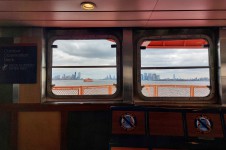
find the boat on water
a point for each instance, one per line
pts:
(87, 80)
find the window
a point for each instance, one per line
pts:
(177, 68)
(84, 67)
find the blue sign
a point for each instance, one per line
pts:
(128, 122)
(18, 64)
(203, 124)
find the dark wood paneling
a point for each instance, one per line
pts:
(14, 131)
(216, 131)
(56, 107)
(6, 92)
(224, 123)
(64, 124)
(88, 130)
(139, 126)
(5, 131)
(166, 123)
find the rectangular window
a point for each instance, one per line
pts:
(84, 67)
(175, 68)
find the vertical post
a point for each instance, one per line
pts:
(148, 89)
(110, 90)
(155, 90)
(81, 90)
(192, 91)
(127, 61)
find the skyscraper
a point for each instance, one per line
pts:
(79, 76)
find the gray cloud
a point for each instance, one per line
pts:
(87, 48)
(84, 52)
(172, 57)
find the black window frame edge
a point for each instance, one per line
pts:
(84, 34)
(166, 34)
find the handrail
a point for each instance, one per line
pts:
(80, 90)
(157, 86)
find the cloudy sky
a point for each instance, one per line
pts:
(84, 53)
(176, 58)
(99, 52)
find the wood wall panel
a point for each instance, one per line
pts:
(139, 127)
(216, 131)
(88, 130)
(39, 131)
(5, 131)
(224, 122)
(166, 123)
(31, 93)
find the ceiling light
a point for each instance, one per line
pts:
(88, 5)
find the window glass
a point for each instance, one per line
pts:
(84, 67)
(172, 69)
(84, 52)
(174, 57)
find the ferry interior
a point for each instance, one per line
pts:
(112, 75)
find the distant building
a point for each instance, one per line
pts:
(150, 77)
(79, 76)
(145, 76)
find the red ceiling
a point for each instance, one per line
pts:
(113, 13)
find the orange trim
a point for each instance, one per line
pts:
(81, 89)
(147, 87)
(155, 87)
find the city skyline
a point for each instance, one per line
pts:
(144, 77)
(74, 76)
(78, 76)
(156, 77)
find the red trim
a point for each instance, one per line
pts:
(195, 43)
